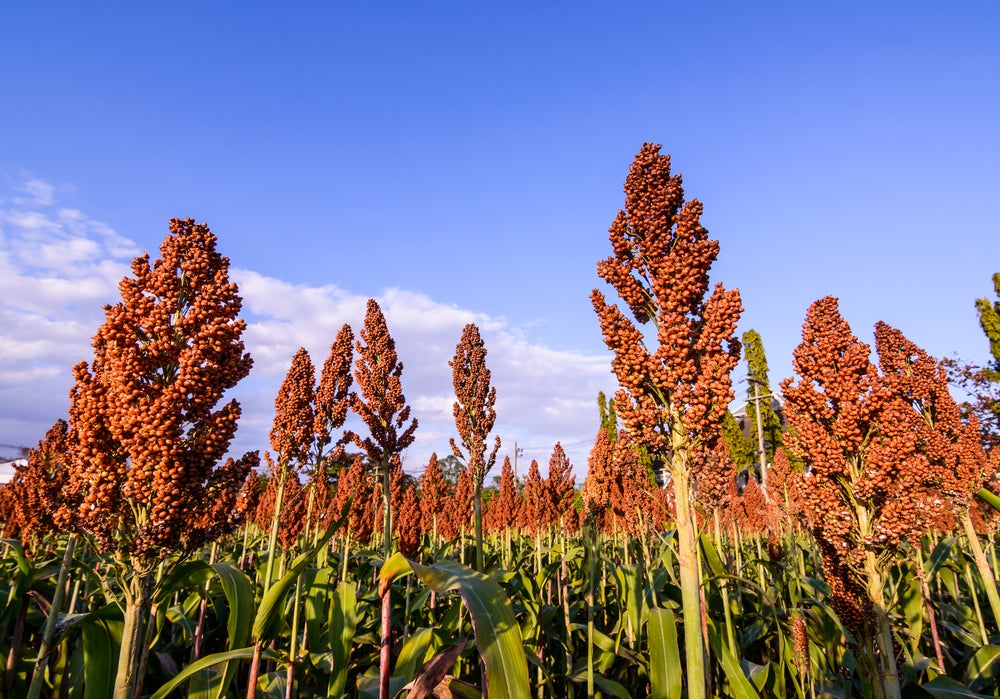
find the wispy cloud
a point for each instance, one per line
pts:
(58, 267)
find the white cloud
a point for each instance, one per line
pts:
(58, 267)
(39, 193)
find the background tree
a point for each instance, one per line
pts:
(449, 467)
(147, 435)
(742, 449)
(982, 383)
(753, 351)
(609, 417)
(673, 397)
(989, 320)
(475, 414)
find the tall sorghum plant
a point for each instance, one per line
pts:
(675, 390)
(382, 406)
(147, 433)
(475, 414)
(958, 465)
(868, 486)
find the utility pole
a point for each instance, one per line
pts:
(761, 452)
(517, 452)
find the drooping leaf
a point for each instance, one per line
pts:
(498, 637)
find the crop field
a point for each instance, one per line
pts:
(838, 542)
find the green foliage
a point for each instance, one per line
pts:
(753, 352)
(742, 449)
(989, 321)
(529, 619)
(609, 418)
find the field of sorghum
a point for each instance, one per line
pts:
(847, 551)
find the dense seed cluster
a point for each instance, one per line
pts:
(434, 493)
(458, 508)
(407, 527)
(659, 268)
(292, 429)
(502, 510)
(147, 434)
(360, 486)
(38, 499)
(381, 403)
(334, 391)
(474, 409)
(948, 450)
(886, 453)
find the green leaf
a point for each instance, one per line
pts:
(912, 602)
(396, 567)
(739, 685)
(22, 561)
(664, 656)
(317, 592)
(989, 498)
(942, 687)
(414, 651)
(343, 623)
(199, 665)
(498, 636)
(632, 600)
(940, 554)
(611, 687)
(101, 644)
(983, 668)
(712, 557)
(265, 624)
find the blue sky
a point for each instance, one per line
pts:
(462, 161)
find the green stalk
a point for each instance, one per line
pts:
(272, 545)
(293, 650)
(477, 508)
(885, 663)
(967, 572)
(137, 601)
(687, 558)
(199, 629)
(385, 651)
(724, 588)
(272, 541)
(979, 557)
(38, 676)
(591, 580)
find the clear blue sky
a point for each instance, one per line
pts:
(470, 156)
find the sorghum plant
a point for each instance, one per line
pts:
(673, 396)
(434, 496)
(501, 513)
(382, 406)
(958, 466)
(475, 414)
(147, 435)
(868, 487)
